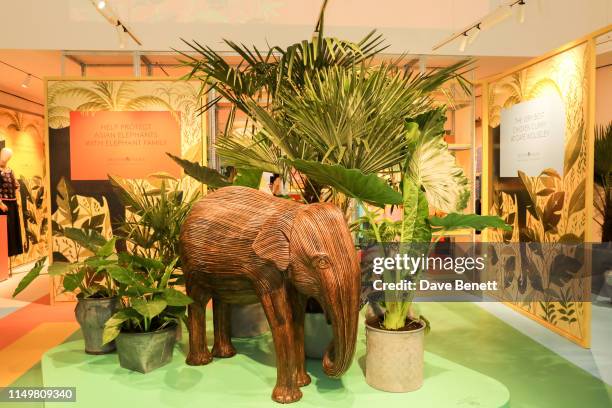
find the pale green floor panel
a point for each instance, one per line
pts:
(246, 380)
(464, 333)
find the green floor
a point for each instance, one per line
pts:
(469, 336)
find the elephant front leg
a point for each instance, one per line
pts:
(198, 350)
(298, 307)
(222, 321)
(279, 314)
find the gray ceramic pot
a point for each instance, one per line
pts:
(144, 352)
(249, 320)
(317, 335)
(91, 314)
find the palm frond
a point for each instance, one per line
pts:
(247, 153)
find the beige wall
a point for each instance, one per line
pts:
(603, 95)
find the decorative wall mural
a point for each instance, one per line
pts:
(23, 132)
(93, 203)
(549, 207)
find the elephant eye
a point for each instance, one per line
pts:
(322, 262)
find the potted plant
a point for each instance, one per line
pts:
(287, 81)
(429, 177)
(145, 328)
(96, 291)
(155, 210)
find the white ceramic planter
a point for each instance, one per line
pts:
(317, 335)
(394, 359)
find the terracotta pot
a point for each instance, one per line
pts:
(92, 313)
(145, 352)
(249, 320)
(317, 335)
(394, 359)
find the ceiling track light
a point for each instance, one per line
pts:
(520, 14)
(121, 33)
(464, 41)
(476, 31)
(498, 15)
(26, 81)
(110, 16)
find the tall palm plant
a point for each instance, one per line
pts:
(355, 118)
(262, 75)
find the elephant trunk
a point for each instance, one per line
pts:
(342, 308)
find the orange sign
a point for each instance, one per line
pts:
(127, 144)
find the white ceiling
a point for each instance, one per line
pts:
(410, 26)
(38, 29)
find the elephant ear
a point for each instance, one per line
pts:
(272, 242)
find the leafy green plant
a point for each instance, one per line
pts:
(354, 117)
(150, 302)
(214, 179)
(415, 230)
(317, 100)
(89, 278)
(155, 214)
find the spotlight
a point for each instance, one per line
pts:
(101, 4)
(521, 11)
(475, 35)
(121, 31)
(464, 41)
(26, 81)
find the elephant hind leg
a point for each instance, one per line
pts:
(222, 321)
(198, 350)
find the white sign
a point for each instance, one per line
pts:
(532, 137)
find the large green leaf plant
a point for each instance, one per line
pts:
(421, 184)
(150, 302)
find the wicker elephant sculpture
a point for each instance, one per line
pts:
(242, 246)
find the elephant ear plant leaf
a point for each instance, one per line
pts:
(455, 221)
(353, 182)
(432, 166)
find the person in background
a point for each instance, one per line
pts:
(276, 185)
(9, 187)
